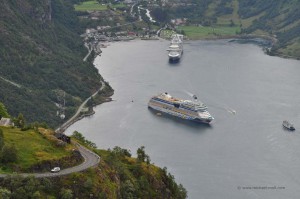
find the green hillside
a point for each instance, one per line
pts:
(279, 20)
(118, 174)
(41, 59)
(121, 176)
(3, 111)
(35, 150)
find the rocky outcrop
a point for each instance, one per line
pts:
(45, 166)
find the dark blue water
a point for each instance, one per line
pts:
(245, 149)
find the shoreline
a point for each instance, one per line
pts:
(90, 113)
(271, 39)
(79, 115)
(248, 37)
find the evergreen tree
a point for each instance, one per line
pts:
(9, 153)
(1, 141)
(66, 193)
(3, 111)
(5, 193)
(141, 155)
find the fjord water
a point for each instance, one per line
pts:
(242, 153)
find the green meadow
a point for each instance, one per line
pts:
(205, 32)
(32, 148)
(95, 6)
(90, 5)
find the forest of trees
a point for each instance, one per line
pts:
(118, 175)
(278, 19)
(41, 53)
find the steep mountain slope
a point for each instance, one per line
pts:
(41, 58)
(279, 19)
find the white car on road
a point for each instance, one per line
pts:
(55, 169)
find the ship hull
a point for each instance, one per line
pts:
(175, 49)
(206, 121)
(175, 57)
(289, 127)
(171, 111)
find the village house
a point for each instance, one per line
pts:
(6, 122)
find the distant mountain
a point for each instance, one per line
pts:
(279, 19)
(41, 59)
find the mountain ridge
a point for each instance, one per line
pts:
(277, 19)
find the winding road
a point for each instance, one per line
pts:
(91, 159)
(89, 51)
(70, 121)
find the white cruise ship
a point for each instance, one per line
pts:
(175, 49)
(185, 109)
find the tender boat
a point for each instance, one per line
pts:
(288, 125)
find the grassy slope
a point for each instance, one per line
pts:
(194, 32)
(234, 16)
(120, 176)
(291, 50)
(279, 18)
(32, 148)
(90, 5)
(117, 175)
(222, 28)
(95, 6)
(262, 18)
(249, 21)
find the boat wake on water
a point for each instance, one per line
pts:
(229, 110)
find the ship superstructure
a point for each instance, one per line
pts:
(175, 49)
(185, 109)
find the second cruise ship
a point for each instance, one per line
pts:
(185, 109)
(175, 49)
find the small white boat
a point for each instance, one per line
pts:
(288, 125)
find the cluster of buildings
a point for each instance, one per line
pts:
(105, 33)
(179, 21)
